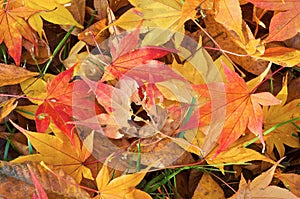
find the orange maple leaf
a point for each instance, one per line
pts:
(242, 108)
(13, 27)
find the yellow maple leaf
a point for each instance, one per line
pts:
(120, 187)
(164, 14)
(236, 153)
(58, 151)
(278, 114)
(53, 11)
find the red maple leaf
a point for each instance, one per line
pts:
(65, 101)
(127, 57)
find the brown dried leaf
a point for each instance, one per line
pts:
(290, 181)
(101, 8)
(229, 43)
(208, 188)
(95, 31)
(7, 107)
(260, 187)
(16, 182)
(18, 140)
(40, 56)
(11, 74)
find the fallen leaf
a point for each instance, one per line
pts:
(40, 192)
(7, 107)
(57, 150)
(16, 182)
(27, 111)
(53, 11)
(236, 153)
(40, 55)
(287, 57)
(291, 181)
(207, 188)
(63, 102)
(77, 10)
(101, 7)
(11, 74)
(94, 34)
(229, 14)
(260, 187)
(129, 60)
(284, 25)
(241, 53)
(13, 27)
(242, 107)
(277, 114)
(116, 102)
(173, 12)
(120, 187)
(35, 88)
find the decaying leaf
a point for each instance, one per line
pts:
(229, 41)
(16, 181)
(260, 187)
(207, 188)
(11, 74)
(291, 181)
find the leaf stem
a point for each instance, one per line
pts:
(267, 78)
(58, 47)
(271, 129)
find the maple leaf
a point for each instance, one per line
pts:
(173, 13)
(278, 114)
(53, 11)
(137, 62)
(229, 14)
(260, 187)
(63, 103)
(236, 153)
(58, 151)
(284, 25)
(116, 102)
(13, 27)
(120, 187)
(242, 107)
